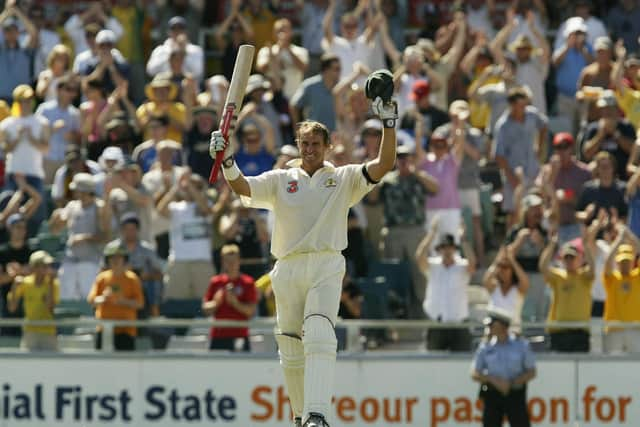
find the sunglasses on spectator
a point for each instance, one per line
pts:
(504, 265)
(563, 146)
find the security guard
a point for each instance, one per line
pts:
(503, 365)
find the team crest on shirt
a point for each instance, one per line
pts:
(330, 182)
(292, 186)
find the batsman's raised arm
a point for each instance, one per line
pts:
(379, 88)
(230, 169)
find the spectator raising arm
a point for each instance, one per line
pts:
(539, 38)
(609, 260)
(327, 22)
(497, 45)
(546, 257)
(422, 251)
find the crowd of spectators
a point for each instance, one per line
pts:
(517, 166)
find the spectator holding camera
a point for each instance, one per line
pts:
(569, 60)
(88, 222)
(108, 67)
(610, 133)
(190, 266)
(15, 59)
(233, 32)
(231, 296)
(194, 55)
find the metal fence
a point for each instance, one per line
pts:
(350, 332)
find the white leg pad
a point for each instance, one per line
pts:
(320, 346)
(291, 353)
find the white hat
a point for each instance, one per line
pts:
(111, 153)
(105, 36)
(573, 25)
(168, 143)
(83, 182)
(257, 81)
(602, 43)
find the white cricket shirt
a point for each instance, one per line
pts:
(447, 298)
(310, 212)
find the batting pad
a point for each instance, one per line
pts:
(291, 353)
(320, 346)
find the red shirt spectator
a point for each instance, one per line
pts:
(231, 296)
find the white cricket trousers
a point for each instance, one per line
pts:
(307, 291)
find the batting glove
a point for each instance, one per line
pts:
(386, 111)
(218, 144)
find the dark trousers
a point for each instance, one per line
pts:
(452, 339)
(496, 406)
(121, 342)
(570, 341)
(597, 309)
(228, 344)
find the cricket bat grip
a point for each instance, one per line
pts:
(224, 128)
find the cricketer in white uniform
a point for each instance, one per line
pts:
(310, 201)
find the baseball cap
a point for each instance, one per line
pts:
(14, 218)
(40, 258)
(257, 81)
(112, 153)
(403, 150)
(105, 36)
(574, 24)
(625, 253)
(602, 43)
(563, 138)
(632, 60)
(446, 241)
(499, 314)
(177, 21)
(419, 90)
(130, 218)
(460, 108)
(569, 249)
(11, 21)
(531, 200)
(83, 182)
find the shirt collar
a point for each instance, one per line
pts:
(297, 163)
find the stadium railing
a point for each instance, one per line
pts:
(350, 330)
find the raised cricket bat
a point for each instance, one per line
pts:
(233, 103)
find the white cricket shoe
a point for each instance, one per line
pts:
(316, 420)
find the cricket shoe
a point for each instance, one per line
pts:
(315, 420)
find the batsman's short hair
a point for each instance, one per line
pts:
(313, 127)
(326, 60)
(229, 249)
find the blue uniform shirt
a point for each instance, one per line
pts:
(506, 360)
